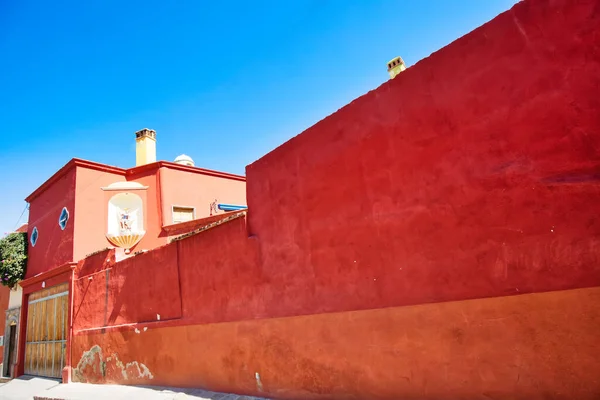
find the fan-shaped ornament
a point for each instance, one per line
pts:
(125, 220)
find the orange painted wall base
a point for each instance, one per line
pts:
(532, 346)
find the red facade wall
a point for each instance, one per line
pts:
(138, 294)
(54, 246)
(433, 238)
(188, 189)
(78, 187)
(143, 288)
(90, 214)
(173, 282)
(530, 347)
(221, 279)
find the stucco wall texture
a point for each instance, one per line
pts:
(54, 246)
(88, 215)
(437, 238)
(187, 189)
(517, 347)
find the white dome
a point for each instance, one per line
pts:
(184, 160)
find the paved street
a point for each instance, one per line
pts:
(30, 388)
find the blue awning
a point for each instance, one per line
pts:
(230, 207)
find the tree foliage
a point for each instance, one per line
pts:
(13, 258)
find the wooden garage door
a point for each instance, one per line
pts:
(47, 331)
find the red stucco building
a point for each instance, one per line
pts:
(436, 238)
(70, 217)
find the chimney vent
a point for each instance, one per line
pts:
(145, 146)
(395, 66)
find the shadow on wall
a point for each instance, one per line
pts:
(217, 268)
(143, 288)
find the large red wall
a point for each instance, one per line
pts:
(525, 347)
(472, 174)
(143, 288)
(436, 237)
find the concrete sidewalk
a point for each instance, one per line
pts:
(34, 388)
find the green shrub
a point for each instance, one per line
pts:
(13, 258)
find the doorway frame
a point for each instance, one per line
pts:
(63, 274)
(12, 323)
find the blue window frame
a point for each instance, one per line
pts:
(63, 218)
(34, 236)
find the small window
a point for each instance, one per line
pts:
(34, 236)
(182, 214)
(63, 218)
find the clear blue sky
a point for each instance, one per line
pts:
(224, 82)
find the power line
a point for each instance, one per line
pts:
(21, 216)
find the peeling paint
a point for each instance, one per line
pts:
(119, 364)
(259, 385)
(94, 368)
(87, 360)
(139, 369)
